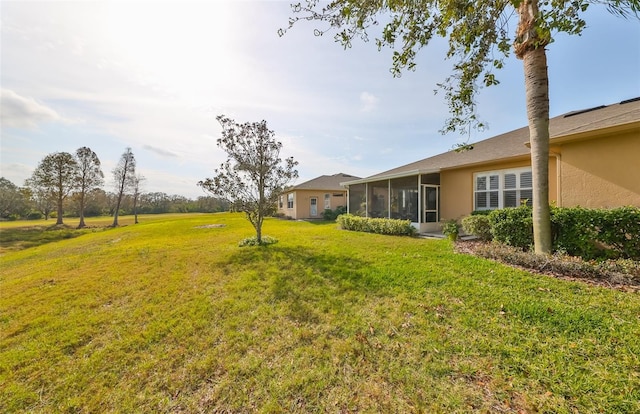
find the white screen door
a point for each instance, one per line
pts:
(314, 206)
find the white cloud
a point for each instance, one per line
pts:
(16, 172)
(368, 102)
(160, 151)
(23, 112)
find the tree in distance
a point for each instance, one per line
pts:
(55, 178)
(479, 40)
(136, 187)
(90, 176)
(254, 175)
(12, 199)
(123, 175)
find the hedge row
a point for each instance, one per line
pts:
(376, 225)
(577, 231)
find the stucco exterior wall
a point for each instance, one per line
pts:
(302, 203)
(601, 173)
(456, 186)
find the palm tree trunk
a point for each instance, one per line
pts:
(530, 47)
(537, 96)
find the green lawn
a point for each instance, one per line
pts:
(170, 316)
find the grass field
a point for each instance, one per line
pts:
(170, 315)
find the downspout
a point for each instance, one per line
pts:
(348, 198)
(419, 199)
(558, 158)
(389, 198)
(366, 199)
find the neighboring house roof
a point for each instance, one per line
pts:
(325, 183)
(513, 144)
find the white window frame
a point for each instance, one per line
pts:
(327, 201)
(500, 189)
(290, 200)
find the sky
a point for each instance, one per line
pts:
(153, 76)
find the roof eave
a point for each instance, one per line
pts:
(595, 133)
(383, 177)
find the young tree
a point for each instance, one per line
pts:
(254, 175)
(55, 177)
(136, 186)
(123, 175)
(90, 176)
(478, 37)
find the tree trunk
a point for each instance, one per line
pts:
(530, 47)
(537, 96)
(135, 210)
(259, 233)
(115, 213)
(82, 224)
(60, 211)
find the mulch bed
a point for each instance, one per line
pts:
(627, 285)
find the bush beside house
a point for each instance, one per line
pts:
(376, 225)
(586, 233)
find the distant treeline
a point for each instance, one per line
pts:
(20, 203)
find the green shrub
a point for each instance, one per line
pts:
(253, 241)
(574, 231)
(331, 215)
(376, 225)
(620, 229)
(512, 226)
(481, 212)
(597, 233)
(477, 225)
(451, 229)
(35, 215)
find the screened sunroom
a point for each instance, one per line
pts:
(411, 196)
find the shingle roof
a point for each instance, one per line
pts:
(513, 144)
(326, 182)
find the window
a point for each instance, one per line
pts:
(290, 200)
(327, 201)
(280, 201)
(518, 189)
(505, 188)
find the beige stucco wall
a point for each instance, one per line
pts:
(593, 173)
(302, 203)
(456, 186)
(601, 173)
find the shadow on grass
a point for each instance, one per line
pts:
(19, 238)
(331, 267)
(306, 283)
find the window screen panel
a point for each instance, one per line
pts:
(511, 198)
(494, 182)
(481, 201)
(526, 179)
(481, 183)
(526, 195)
(509, 181)
(493, 199)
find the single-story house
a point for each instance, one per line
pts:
(309, 199)
(594, 162)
